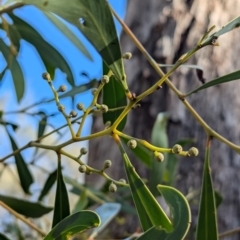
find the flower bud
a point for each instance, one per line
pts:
(193, 152)
(104, 108)
(112, 187)
(46, 76)
(107, 124)
(127, 55)
(82, 168)
(73, 114)
(159, 156)
(105, 79)
(177, 149)
(61, 108)
(94, 90)
(80, 106)
(83, 151)
(122, 180)
(132, 143)
(107, 164)
(88, 172)
(62, 88)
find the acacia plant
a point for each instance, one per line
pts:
(112, 100)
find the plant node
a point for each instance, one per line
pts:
(94, 90)
(61, 108)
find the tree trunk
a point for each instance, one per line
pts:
(167, 30)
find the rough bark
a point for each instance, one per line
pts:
(167, 30)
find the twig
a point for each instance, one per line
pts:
(165, 78)
(231, 232)
(23, 219)
(10, 8)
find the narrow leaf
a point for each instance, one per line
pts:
(42, 124)
(47, 52)
(3, 73)
(149, 211)
(26, 208)
(94, 19)
(226, 78)
(233, 24)
(48, 185)
(114, 97)
(106, 212)
(141, 152)
(13, 125)
(218, 198)
(181, 216)
(24, 173)
(68, 33)
(207, 220)
(61, 206)
(75, 223)
(169, 175)
(81, 203)
(13, 34)
(14, 67)
(3, 237)
(159, 138)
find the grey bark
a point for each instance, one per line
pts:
(167, 30)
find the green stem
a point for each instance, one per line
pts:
(14, 152)
(89, 109)
(228, 233)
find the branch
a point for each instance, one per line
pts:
(206, 127)
(23, 219)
